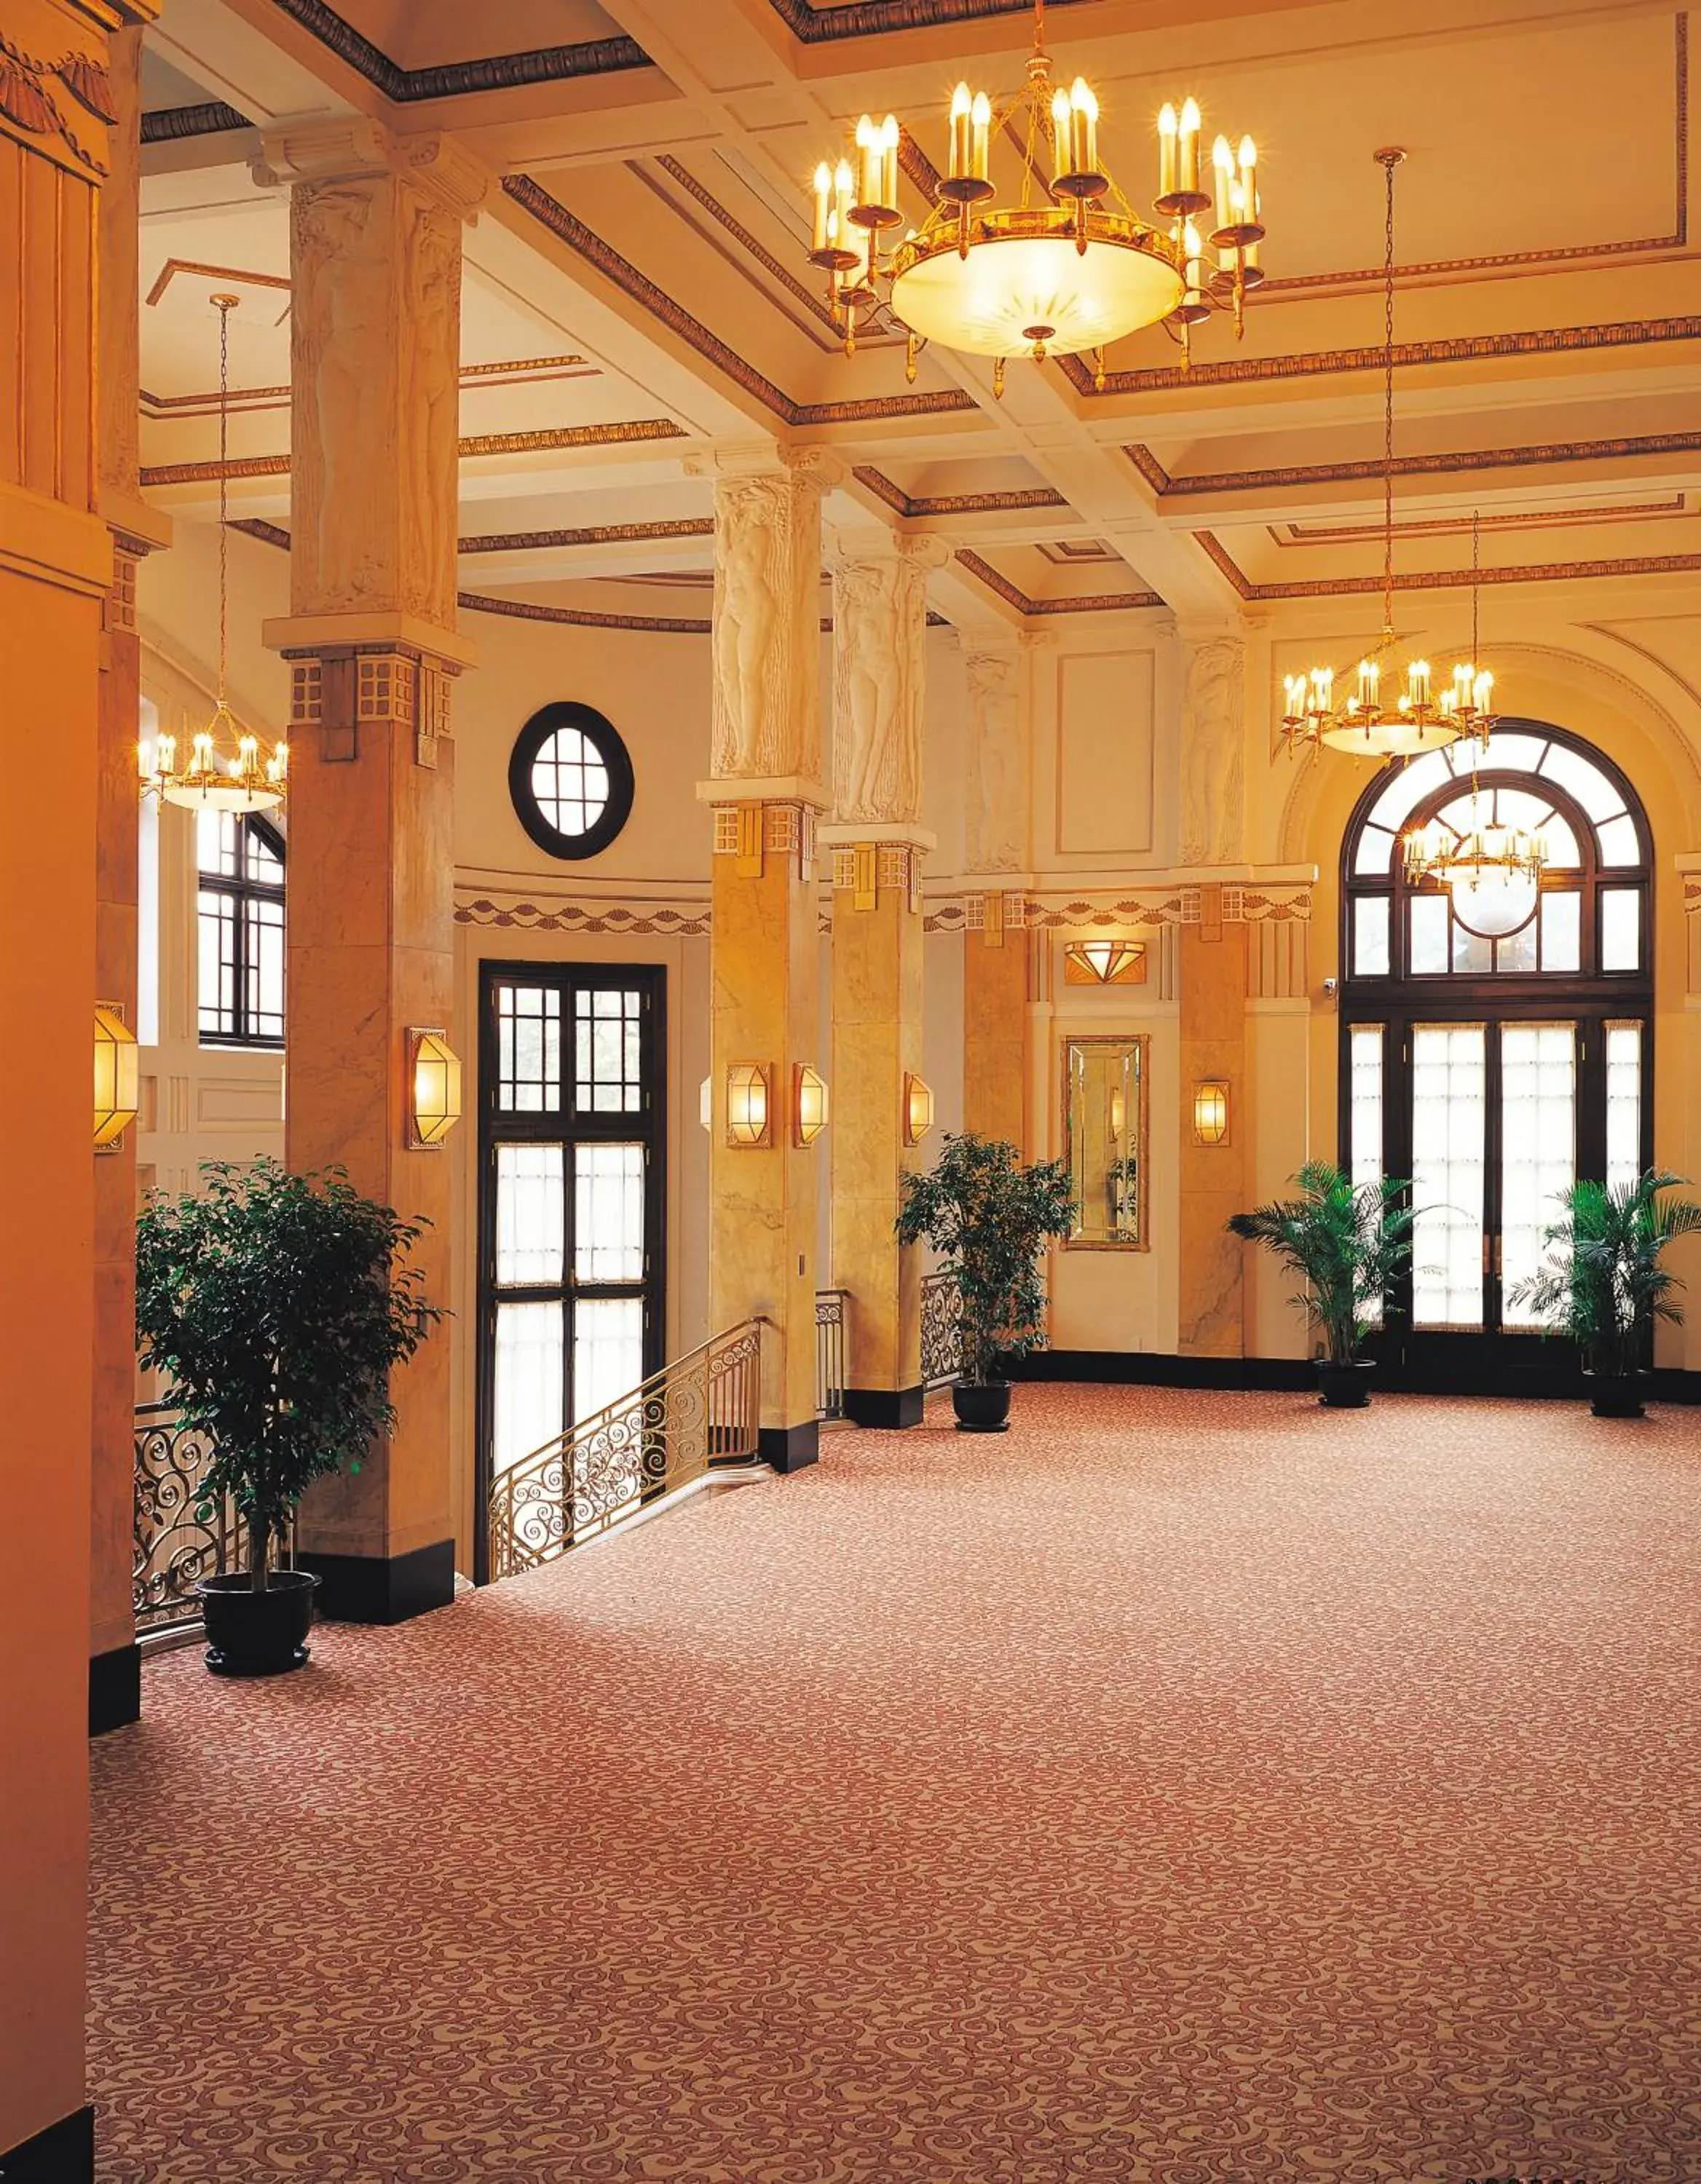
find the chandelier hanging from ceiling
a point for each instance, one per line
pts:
(1376, 721)
(1069, 268)
(225, 767)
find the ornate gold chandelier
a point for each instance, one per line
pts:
(225, 767)
(1373, 722)
(1067, 270)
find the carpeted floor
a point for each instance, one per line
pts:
(1179, 1788)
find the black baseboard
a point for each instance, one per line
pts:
(63, 2154)
(114, 1691)
(1152, 1368)
(790, 1448)
(381, 1588)
(890, 1407)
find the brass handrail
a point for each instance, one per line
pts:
(703, 1410)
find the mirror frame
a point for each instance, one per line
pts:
(1139, 1044)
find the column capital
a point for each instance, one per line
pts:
(350, 148)
(878, 541)
(751, 459)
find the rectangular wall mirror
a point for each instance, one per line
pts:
(1104, 1141)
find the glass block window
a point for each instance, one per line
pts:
(240, 919)
(1538, 1142)
(570, 779)
(1449, 1114)
(1623, 1104)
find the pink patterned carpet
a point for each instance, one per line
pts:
(1179, 1788)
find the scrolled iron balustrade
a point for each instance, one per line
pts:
(702, 1413)
(832, 1366)
(174, 1543)
(941, 1330)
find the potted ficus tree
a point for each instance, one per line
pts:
(1347, 1242)
(1603, 1283)
(276, 1306)
(988, 1216)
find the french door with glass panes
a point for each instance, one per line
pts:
(1493, 1117)
(572, 1200)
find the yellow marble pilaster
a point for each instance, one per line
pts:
(1213, 1000)
(376, 238)
(995, 1027)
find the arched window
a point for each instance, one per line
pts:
(240, 906)
(1495, 1073)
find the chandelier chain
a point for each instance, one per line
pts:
(1389, 166)
(225, 304)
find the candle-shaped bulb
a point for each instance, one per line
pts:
(889, 163)
(1193, 247)
(1482, 691)
(1249, 177)
(1418, 682)
(1295, 686)
(1222, 179)
(1369, 676)
(844, 187)
(1190, 145)
(1083, 126)
(961, 104)
(980, 115)
(1167, 154)
(1060, 133)
(868, 161)
(823, 204)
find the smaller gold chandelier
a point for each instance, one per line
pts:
(225, 767)
(1493, 871)
(1065, 271)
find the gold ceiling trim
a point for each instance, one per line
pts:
(550, 213)
(624, 433)
(597, 534)
(238, 467)
(867, 18)
(1533, 455)
(1445, 580)
(241, 274)
(1330, 363)
(914, 505)
(406, 86)
(1013, 595)
(208, 117)
(535, 370)
(1452, 526)
(582, 617)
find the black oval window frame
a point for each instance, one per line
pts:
(605, 739)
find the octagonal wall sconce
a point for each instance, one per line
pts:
(434, 1074)
(918, 1109)
(1104, 963)
(749, 1104)
(1211, 1112)
(809, 1105)
(117, 1077)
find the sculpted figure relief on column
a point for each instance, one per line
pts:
(766, 587)
(1212, 761)
(430, 376)
(340, 320)
(997, 815)
(879, 611)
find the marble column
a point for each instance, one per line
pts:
(877, 845)
(765, 796)
(996, 859)
(56, 571)
(1213, 990)
(375, 262)
(114, 1659)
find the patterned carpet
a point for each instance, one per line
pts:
(1179, 1788)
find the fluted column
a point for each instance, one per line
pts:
(765, 796)
(996, 860)
(375, 263)
(114, 1659)
(878, 846)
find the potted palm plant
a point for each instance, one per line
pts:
(276, 1306)
(1603, 1284)
(988, 1216)
(1347, 1242)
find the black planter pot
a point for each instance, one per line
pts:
(1345, 1387)
(1617, 1395)
(981, 1409)
(258, 1634)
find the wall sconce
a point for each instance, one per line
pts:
(435, 1069)
(749, 1109)
(1104, 963)
(808, 1105)
(1211, 1110)
(117, 1077)
(918, 1109)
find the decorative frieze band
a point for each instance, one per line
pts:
(1172, 906)
(583, 918)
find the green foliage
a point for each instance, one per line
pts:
(988, 1217)
(276, 1306)
(1346, 1242)
(1602, 1282)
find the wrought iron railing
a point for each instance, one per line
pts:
(182, 1534)
(941, 1330)
(701, 1412)
(831, 1363)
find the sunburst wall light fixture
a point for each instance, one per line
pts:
(1067, 268)
(225, 767)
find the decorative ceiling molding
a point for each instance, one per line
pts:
(1328, 363)
(1013, 595)
(256, 526)
(1445, 580)
(914, 505)
(583, 618)
(242, 275)
(599, 534)
(530, 371)
(550, 213)
(624, 433)
(1451, 463)
(454, 79)
(867, 19)
(166, 125)
(238, 467)
(1453, 527)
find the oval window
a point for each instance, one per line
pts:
(570, 780)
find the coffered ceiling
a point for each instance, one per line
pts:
(637, 285)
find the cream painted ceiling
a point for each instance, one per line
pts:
(636, 286)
